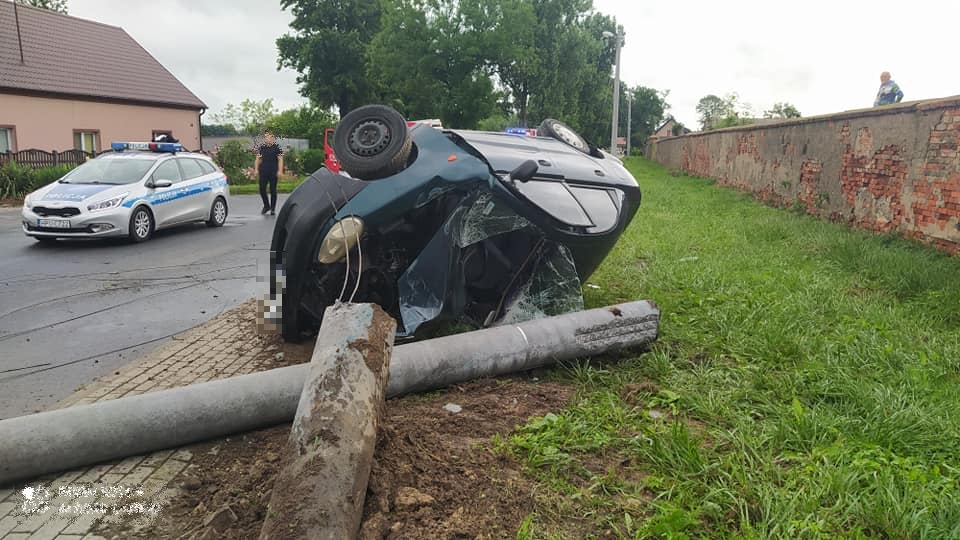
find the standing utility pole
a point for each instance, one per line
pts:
(616, 91)
(629, 119)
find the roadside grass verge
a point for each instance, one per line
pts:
(286, 186)
(804, 385)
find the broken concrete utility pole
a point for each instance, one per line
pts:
(63, 439)
(330, 450)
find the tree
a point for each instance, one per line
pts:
(646, 112)
(716, 112)
(679, 129)
(218, 130)
(712, 110)
(59, 6)
(328, 49)
(782, 110)
(250, 117)
(305, 122)
(573, 80)
(428, 61)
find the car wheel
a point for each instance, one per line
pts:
(562, 132)
(141, 225)
(372, 142)
(218, 213)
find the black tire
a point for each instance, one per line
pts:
(141, 225)
(218, 213)
(372, 142)
(46, 240)
(563, 133)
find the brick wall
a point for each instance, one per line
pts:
(889, 169)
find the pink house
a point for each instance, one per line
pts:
(69, 83)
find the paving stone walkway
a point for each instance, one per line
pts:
(66, 506)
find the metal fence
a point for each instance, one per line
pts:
(35, 158)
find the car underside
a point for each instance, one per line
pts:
(474, 227)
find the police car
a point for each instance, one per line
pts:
(138, 188)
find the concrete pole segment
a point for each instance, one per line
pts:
(329, 454)
(63, 439)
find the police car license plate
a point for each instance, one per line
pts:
(54, 223)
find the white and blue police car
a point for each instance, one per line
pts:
(138, 188)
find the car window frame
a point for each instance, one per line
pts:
(153, 175)
(208, 163)
(180, 161)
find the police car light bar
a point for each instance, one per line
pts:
(521, 131)
(148, 146)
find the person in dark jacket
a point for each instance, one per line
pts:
(268, 165)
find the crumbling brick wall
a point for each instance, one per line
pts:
(890, 169)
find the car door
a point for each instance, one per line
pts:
(196, 192)
(167, 203)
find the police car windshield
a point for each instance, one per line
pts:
(110, 171)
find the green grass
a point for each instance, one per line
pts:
(254, 188)
(805, 383)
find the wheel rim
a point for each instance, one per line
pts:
(369, 138)
(568, 136)
(219, 212)
(141, 224)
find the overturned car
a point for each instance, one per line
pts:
(439, 226)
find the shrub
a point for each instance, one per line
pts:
(293, 161)
(311, 160)
(235, 158)
(17, 180)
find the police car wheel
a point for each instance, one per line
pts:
(141, 225)
(218, 213)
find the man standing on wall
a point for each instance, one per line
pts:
(268, 164)
(889, 91)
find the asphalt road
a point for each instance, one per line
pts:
(80, 309)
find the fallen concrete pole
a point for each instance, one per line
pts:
(329, 454)
(63, 439)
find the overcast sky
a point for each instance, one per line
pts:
(822, 56)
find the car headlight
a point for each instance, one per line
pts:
(27, 201)
(109, 203)
(343, 236)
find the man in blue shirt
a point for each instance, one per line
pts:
(889, 91)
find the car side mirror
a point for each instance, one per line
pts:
(525, 171)
(160, 184)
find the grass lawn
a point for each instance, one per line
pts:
(804, 384)
(284, 186)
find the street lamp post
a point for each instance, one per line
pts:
(616, 91)
(629, 120)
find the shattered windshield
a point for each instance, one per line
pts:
(553, 289)
(486, 219)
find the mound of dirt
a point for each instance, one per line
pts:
(435, 474)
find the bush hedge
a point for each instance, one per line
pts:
(311, 160)
(236, 160)
(16, 180)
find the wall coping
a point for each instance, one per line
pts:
(951, 102)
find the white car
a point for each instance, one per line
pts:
(132, 191)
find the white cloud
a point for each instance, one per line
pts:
(821, 55)
(222, 50)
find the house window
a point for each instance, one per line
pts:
(6, 140)
(88, 141)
